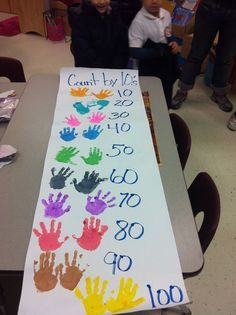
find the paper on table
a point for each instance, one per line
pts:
(102, 241)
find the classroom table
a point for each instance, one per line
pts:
(19, 88)
(29, 132)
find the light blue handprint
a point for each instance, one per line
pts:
(102, 104)
(92, 132)
(81, 109)
(68, 134)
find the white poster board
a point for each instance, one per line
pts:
(102, 241)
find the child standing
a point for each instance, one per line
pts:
(99, 37)
(151, 43)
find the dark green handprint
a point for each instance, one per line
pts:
(95, 156)
(65, 154)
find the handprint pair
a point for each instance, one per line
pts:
(54, 209)
(95, 118)
(85, 109)
(46, 277)
(90, 239)
(66, 154)
(82, 92)
(94, 303)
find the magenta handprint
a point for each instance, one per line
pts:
(72, 121)
(96, 118)
(96, 205)
(49, 241)
(92, 234)
(54, 209)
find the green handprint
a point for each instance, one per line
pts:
(65, 154)
(95, 156)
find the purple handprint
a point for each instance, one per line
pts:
(96, 118)
(54, 209)
(99, 205)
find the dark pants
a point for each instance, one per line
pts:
(211, 18)
(165, 67)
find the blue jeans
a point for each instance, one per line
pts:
(211, 18)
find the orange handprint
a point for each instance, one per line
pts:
(103, 94)
(93, 302)
(125, 297)
(92, 235)
(73, 273)
(79, 92)
(44, 278)
(48, 241)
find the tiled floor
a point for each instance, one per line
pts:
(213, 150)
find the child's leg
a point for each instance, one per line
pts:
(164, 68)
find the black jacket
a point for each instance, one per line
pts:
(99, 41)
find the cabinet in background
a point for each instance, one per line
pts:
(30, 14)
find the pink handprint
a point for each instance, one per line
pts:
(96, 118)
(92, 234)
(49, 241)
(72, 121)
(54, 209)
(99, 204)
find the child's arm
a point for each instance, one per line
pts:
(175, 48)
(136, 36)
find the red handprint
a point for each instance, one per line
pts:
(48, 241)
(92, 234)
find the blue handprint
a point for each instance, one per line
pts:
(92, 132)
(68, 134)
(81, 109)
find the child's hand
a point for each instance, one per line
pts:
(175, 48)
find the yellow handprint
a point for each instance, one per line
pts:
(103, 94)
(80, 92)
(125, 297)
(93, 302)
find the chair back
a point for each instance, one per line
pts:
(204, 197)
(12, 69)
(182, 138)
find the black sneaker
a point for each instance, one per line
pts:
(178, 99)
(222, 101)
